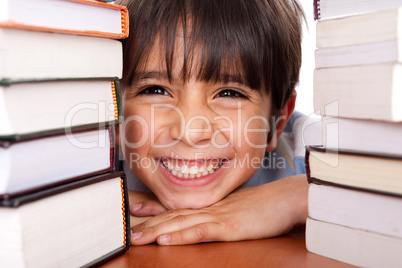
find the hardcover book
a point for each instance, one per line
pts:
(37, 163)
(355, 191)
(377, 173)
(84, 223)
(362, 136)
(373, 212)
(326, 9)
(371, 53)
(83, 17)
(362, 91)
(42, 107)
(365, 28)
(353, 246)
(35, 55)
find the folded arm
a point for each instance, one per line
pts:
(248, 213)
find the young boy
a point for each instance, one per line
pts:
(208, 89)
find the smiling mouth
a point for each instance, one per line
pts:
(187, 170)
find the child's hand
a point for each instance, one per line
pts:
(258, 212)
(143, 200)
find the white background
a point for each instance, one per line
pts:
(304, 101)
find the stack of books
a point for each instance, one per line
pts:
(62, 201)
(355, 195)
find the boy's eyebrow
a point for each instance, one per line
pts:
(229, 78)
(223, 78)
(234, 78)
(144, 75)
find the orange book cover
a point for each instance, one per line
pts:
(84, 17)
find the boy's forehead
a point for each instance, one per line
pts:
(156, 60)
(184, 65)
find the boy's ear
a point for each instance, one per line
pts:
(281, 121)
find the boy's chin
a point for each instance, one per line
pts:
(187, 203)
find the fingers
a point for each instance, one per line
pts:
(146, 208)
(182, 229)
(166, 217)
(205, 232)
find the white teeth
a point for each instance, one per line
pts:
(169, 165)
(186, 172)
(184, 169)
(193, 170)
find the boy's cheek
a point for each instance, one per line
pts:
(255, 142)
(134, 132)
(255, 132)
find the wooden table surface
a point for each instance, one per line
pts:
(284, 251)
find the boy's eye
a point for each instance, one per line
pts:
(230, 93)
(154, 90)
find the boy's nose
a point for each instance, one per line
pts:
(193, 127)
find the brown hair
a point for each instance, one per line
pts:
(258, 41)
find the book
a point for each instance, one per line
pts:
(379, 52)
(79, 224)
(376, 173)
(362, 92)
(374, 212)
(362, 136)
(355, 191)
(68, 16)
(353, 246)
(40, 107)
(34, 55)
(325, 9)
(360, 29)
(29, 165)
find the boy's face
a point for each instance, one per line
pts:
(193, 142)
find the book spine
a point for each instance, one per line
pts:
(125, 211)
(116, 108)
(317, 11)
(307, 164)
(117, 99)
(111, 129)
(124, 23)
(112, 143)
